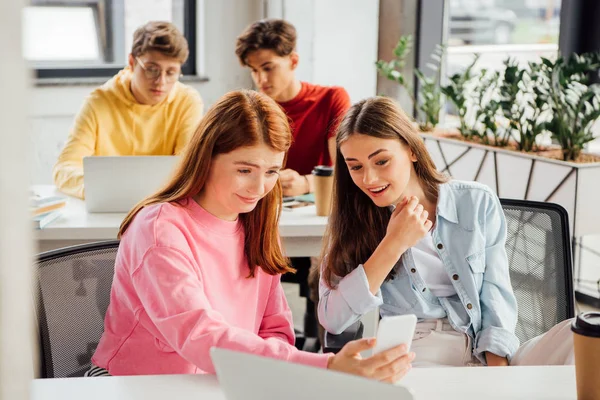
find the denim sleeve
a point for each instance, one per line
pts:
(341, 307)
(498, 302)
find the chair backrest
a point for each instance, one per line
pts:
(538, 246)
(74, 286)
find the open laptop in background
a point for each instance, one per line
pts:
(117, 183)
(249, 377)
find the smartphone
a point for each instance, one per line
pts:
(394, 331)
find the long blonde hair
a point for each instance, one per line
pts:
(356, 225)
(239, 119)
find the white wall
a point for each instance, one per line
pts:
(345, 48)
(301, 13)
(337, 41)
(16, 305)
(53, 108)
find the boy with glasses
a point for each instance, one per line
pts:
(143, 110)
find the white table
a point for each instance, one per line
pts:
(301, 229)
(532, 383)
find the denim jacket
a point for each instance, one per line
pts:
(469, 236)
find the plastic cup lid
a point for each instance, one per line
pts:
(587, 324)
(322, 170)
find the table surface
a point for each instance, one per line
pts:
(76, 223)
(530, 383)
(301, 230)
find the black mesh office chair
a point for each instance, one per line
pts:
(538, 246)
(73, 294)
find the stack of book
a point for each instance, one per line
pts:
(45, 209)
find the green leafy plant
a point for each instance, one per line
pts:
(533, 124)
(429, 101)
(487, 109)
(392, 70)
(456, 90)
(573, 102)
(520, 104)
(430, 93)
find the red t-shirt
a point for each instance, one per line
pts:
(314, 115)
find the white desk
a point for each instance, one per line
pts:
(301, 230)
(530, 383)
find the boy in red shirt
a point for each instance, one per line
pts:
(268, 48)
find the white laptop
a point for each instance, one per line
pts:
(117, 183)
(249, 377)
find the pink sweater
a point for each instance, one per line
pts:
(180, 288)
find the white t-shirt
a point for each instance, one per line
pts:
(431, 268)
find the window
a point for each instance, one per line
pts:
(92, 38)
(496, 30)
(522, 29)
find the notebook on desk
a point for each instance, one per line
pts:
(116, 184)
(249, 377)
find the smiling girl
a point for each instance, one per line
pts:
(404, 238)
(199, 262)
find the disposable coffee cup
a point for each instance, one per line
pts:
(586, 340)
(323, 178)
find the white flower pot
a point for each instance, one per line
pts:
(516, 175)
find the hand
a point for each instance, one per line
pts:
(408, 224)
(494, 360)
(388, 366)
(293, 183)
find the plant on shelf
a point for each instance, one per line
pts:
(456, 90)
(429, 100)
(534, 121)
(487, 110)
(511, 107)
(520, 104)
(574, 102)
(392, 70)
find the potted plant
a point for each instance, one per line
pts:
(552, 97)
(502, 115)
(429, 100)
(575, 104)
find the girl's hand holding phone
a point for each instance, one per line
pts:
(388, 366)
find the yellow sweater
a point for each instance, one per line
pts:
(112, 123)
